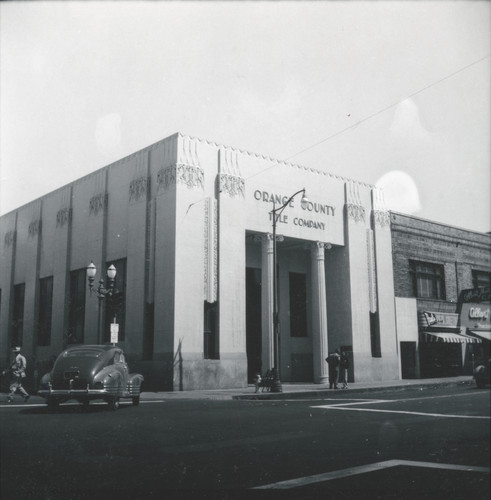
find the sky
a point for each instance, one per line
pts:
(395, 94)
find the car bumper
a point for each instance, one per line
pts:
(74, 392)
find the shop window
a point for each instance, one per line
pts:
(45, 310)
(428, 280)
(210, 348)
(18, 317)
(76, 307)
(298, 305)
(115, 303)
(481, 279)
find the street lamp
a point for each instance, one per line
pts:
(276, 212)
(101, 290)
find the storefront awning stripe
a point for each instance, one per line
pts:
(450, 337)
(483, 334)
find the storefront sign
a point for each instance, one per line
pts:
(278, 199)
(310, 208)
(476, 295)
(440, 319)
(478, 313)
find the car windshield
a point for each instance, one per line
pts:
(83, 353)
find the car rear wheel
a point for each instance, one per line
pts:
(113, 403)
(136, 400)
(53, 403)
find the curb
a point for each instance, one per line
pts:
(324, 392)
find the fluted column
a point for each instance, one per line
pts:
(319, 313)
(267, 302)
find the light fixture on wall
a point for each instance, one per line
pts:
(276, 212)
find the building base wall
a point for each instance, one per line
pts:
(367, 368)
(192, 372)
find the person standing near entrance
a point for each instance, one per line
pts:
(333, 361)
(18, 373)
(343, 370)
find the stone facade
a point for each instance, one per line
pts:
(187, 221)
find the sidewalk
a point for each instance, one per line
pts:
(302, 391)
(291, 390)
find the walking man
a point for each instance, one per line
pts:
(343, 370)
(333, 361)
(17, 373)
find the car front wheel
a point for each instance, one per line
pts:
(136, 400)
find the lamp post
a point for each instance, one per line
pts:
(101, 290)
(276, 213)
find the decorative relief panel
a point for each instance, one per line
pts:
(192, 177)
(232, 185)
(211, 250)
(356, 212)
(372, 271)
(381, 218)
(354, 208)
(34, 228)
(9, 238)
(97, 204)
(63, 216)
(139, 188)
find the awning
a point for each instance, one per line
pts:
(483, 334)
(456, 338)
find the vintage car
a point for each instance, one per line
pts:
(88, 372)
(482, 373)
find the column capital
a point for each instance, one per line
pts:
(318, 245)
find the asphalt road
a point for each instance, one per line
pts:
(431, 443)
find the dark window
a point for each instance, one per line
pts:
(375, 335)
(298, 305)
(18, 318)
(481, 279)
(428, 280)
(45, 310)
(115, 303)
(210, 347)
(76, 320)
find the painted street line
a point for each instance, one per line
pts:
(352, 471)
(338, 407)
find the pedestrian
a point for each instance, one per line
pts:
(333, 361)
(343, 370)
(17, 373)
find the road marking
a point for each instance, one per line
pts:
(362, 469)
(344, 406)
(338, 407)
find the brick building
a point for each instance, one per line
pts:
(441, 285)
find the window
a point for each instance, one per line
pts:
(45, 310)
(481, 279)
(210, 331)
(76, 318)
(18, 317)
(115, 304)
(298, 305)
(428, 280)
